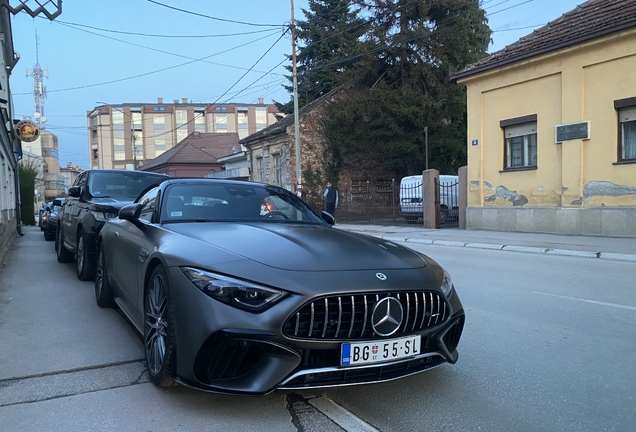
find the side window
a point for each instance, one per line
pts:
(81, 179)
(148, 201)
(520, 142)
(626, 129)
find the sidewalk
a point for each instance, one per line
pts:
(581, 246)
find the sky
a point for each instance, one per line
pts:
(126, 51)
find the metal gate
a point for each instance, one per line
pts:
(447, 200)
(386, 203)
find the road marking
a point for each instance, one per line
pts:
(341, 416)
(632, 308)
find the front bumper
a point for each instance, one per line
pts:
(225, 350)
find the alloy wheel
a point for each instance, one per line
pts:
(80, 254)
(156, 320)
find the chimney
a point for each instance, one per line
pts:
(176, 101)
(261, 101)
(196, 134)
(159, 100)
(184, 100)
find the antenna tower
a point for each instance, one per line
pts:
(39, 89)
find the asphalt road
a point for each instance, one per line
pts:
(548, 345)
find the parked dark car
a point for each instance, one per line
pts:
(95, 197)
(41, 212)
(233, 300)
(50, 219)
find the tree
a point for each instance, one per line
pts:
(328, 40)
(402, 84)
(28, 172)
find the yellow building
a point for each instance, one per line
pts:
(552, 127)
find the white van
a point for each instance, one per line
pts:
(411, 196)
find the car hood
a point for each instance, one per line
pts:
(110, 203)
(298, 247)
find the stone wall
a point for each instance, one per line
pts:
(596, 221)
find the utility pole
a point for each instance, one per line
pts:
(299, 184)
(426, 144)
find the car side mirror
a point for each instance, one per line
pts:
(130, 212)
(328, 217)
(74, 191)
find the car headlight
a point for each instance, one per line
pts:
(447, 284)
(241, 294)
(102, 217)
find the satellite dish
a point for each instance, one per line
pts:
(37, 115)
(43, 119)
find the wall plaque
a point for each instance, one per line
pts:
(572, 131)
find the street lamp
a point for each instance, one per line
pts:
(133, 135)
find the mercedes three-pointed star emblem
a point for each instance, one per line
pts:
(387, 316)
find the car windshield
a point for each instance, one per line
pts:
(234, 202)
(126, 185)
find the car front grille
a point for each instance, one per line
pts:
(349, 316)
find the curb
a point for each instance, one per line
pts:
(511, 248)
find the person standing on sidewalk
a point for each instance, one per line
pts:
(331, 199)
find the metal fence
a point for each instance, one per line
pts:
(388, 203)
(447, 197)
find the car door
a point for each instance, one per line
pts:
(71, 210)
(133, 249)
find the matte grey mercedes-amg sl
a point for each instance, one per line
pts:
(240, 287)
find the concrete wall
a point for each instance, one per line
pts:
(599, 221)
(571, 178)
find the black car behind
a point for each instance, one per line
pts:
(49, 219)
(95, 197)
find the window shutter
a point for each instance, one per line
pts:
(627, 114)
(520, 130)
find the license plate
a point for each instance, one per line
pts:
(379, 351)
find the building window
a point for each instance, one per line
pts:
(199, 121)
(182, 125)
(220, 122)
(278, 175)
(118, 117)
(160, 146)
(49, 152)
(627, 133)
(260, 166)
(520, 148)
(158, 108)
(221, 108)
(241, 119)
(261, 118)
(136, 123)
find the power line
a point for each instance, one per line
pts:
(211, 17)
(160, 35)
(227, 91)
(151, 72)
(508, 8)
(271, 31)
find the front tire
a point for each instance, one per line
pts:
(159, 338)
(103, 291)
(48, 235)
(85, 267)
(63, 254)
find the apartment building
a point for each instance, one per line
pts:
(126, 136)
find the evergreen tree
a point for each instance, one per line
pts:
(28, 173)
(402, 85)
(328, 40)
